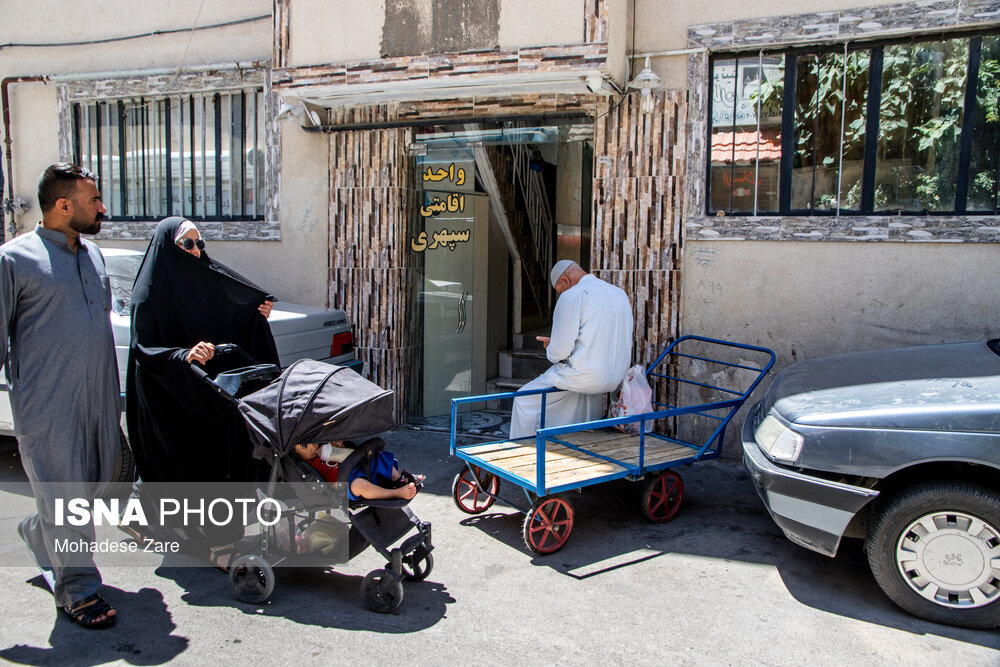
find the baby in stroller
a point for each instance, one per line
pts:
(320, 524)
(384, 481)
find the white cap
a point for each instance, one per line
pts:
(560, 268)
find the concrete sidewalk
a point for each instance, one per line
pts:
(718, 585)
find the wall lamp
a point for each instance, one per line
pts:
(644, 82)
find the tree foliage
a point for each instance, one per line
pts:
(920, 122)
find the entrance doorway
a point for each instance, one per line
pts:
(496, 206)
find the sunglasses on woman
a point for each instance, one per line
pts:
(189, 244)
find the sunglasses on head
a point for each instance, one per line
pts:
(189, 244)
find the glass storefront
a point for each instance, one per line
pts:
(486, 195)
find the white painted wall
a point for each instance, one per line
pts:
(540, 22)
(334, 31)
(810, 299)
(58, 21)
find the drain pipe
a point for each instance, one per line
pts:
(5, 101)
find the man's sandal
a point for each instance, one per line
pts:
(87, 612)
(141, 538)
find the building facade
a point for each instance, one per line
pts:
(814, 181)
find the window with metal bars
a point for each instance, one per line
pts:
(895, 127)
(199, 156)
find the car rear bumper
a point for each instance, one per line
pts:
(812, 512)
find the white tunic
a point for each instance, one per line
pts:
(590, 349)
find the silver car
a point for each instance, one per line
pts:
(299, 331)
(901, 448)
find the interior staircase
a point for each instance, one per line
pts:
(518, 365)
(514, 177)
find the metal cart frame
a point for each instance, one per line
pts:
(571, 457)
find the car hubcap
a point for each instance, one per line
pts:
(951, 558)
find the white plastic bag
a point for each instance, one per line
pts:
(633, 398)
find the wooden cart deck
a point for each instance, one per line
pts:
(567, 466)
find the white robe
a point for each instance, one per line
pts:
(590, 349)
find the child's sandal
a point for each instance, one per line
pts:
(407, 477)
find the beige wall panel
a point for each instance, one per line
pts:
(540, 22)
(35, 144)
(55, 21)
(334, 31)
(807, 300)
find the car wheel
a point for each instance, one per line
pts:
(935, 551)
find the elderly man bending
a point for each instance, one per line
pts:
(590, 350)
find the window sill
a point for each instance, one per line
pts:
(228, 230)
(942, 229)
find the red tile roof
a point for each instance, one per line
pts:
(746, 146)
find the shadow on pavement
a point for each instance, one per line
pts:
(317, 597)
(721, 517)
(142, 614)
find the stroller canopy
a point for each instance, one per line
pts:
(314, 402)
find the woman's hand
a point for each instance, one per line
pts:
(265, 308)
(201, 353)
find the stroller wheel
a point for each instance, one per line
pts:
(416, 567)
(251, 579)
(382, 591)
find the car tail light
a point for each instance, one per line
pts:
(342, 343)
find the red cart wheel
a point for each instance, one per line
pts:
(663, 496)
(469, 496)
(548, 524)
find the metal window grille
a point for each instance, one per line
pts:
(198, 156)
(975, 158)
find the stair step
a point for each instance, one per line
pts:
(499, 385)
(522, 363)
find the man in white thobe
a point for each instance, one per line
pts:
(590, 350)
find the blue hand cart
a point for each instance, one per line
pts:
(567, 458)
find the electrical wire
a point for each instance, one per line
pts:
(154, 33)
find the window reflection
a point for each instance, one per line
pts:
(983, 171)
(911, 162)
(828, 159)
(746, 134)
(920, 124)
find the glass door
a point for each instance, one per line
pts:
(445, 237)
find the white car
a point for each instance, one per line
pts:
(299, 331)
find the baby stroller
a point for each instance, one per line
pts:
(316, 402)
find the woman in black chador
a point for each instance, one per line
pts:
(184, 303)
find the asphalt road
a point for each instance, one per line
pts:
(718, 585)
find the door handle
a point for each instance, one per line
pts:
(461, 313)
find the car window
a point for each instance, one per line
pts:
(121, 273)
